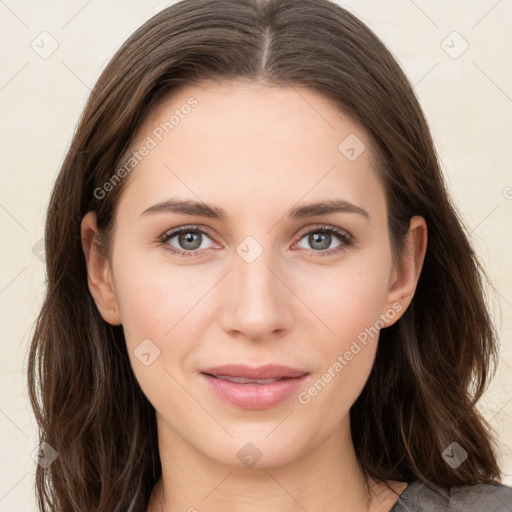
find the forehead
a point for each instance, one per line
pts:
(252, 143)
(260, 111)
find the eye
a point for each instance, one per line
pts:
(188, 238)
(321, 237)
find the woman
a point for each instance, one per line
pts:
(259, 294)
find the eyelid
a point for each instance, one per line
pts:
(191, 227)
(325, 227)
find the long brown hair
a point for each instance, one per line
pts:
(431, 366)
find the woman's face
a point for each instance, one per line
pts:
(263, 282)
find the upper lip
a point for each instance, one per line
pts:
(268, 371)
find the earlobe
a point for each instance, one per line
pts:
(407, 273)
(99, 272)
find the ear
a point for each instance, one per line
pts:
(99, 272)
(406, 272)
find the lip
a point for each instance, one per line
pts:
(268, 371)
(254, 396)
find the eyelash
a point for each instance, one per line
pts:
(346, 239)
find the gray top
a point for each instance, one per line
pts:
(418, 497)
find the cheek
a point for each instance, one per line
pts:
(159, 335)
(349, 299)
(153, 297)
(349, 302)
(161, 308)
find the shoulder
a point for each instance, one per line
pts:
(423, 497)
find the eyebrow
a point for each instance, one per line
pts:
(201, 209)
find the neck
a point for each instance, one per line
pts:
(327, 478)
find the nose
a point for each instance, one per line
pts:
(257, 303)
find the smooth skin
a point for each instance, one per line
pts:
(256, 151)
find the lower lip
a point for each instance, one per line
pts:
(254, 396)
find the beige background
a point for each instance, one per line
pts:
(466, 95)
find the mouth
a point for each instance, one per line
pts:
(254, 388)
(259, 373)
(244, 380)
